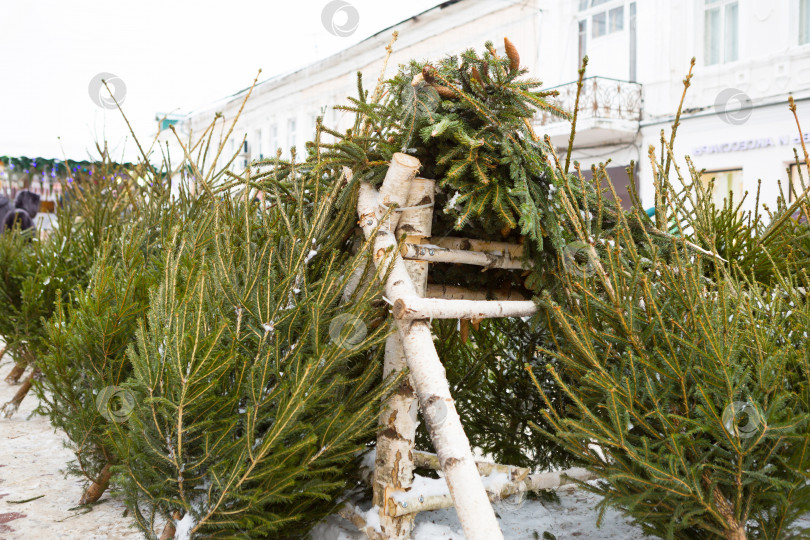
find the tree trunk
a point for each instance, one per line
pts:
(14, 375)
(351, 514)
(12, 405)
(735, 529)
(428, 375)
(168, 531)
(485, 468)
(97, 488)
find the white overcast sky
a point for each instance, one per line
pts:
(171, 54)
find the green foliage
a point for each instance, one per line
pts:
(39, 270)
(466, 119)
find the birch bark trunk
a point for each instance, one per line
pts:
(428, 375)
(393, 468)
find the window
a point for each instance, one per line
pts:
(720, 31)
(257, 145)
(585, 4)
(291, 132)
(616, 19)
(804, 22)
(798, 182)
(605, 22)
(598, 24)
(725, 182)
(272, 132)
(583, 39)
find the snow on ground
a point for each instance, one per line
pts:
(573, 517)
(32, 458)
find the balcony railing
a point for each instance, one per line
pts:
(601, 97)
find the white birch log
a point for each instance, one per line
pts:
(433, 253)
(428, 460)
(416, 222)
(498, 491)
(453, 292)
(515, 251)
(393, 466)
(439, 308)
(430, 381)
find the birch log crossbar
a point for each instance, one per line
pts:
(438, 308)
(405, 266)
(435, 253)
(452, 292)
(532, 482)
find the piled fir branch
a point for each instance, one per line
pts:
(194, 347)
(468, 119)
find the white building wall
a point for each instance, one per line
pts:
(770, 64)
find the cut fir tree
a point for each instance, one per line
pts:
(257, 388)
(688, 386)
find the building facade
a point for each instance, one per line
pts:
(750, 56)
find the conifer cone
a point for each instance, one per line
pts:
(427, 74)
(477, 76)
(512, 54)
(444, 91)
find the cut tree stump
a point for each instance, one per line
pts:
(95, 490)
(14, 375)
(13, 404)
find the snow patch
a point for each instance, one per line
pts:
(184, 526)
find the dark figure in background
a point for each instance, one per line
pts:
(28, 201)
(26, 207)
(5, 207)
(18, 217)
